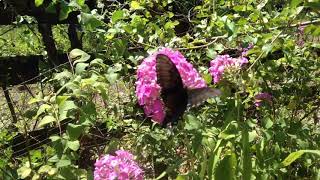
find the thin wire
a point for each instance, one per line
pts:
(42, 74)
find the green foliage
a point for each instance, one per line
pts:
(228, 137)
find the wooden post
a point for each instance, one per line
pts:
(10, 104)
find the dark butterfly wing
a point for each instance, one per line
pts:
(234, 53)
(173, 94)
(198, 96)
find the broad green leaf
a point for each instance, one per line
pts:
(112, 77)
(64, 11)
(61, 99)
(230, 131)
(314, 5)
(246, 157)
(296, 155)
(117, 15)
(35, 177)
(135, 5)
(51, 8)
(74, 130)
(182, 177)
(262, 4)
(54, 158)
(63, 75)
(73, 145)
(47, 169)
(46, 120)
(24, 172)
(292, 157)
(170, 25)
(64, 108)
(295, 3)
(192, 123)
(226, 168)
(54, 138)
(213, 159)
(90, 21)
(81, 67)
(80, 2)
(267, 48)
(63, 163)
(38, 2)
(78, 56)
(42, 109)
(267, 123)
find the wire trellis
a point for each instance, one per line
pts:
(28, 138)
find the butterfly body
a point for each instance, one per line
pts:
(175, 96)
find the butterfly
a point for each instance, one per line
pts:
(175, 96)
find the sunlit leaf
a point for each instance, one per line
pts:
(73, 145)
(117, 15)
(24, 172)
(46, 120)
(38, 2)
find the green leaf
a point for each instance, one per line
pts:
(182, 177)
(112, 77)
(192, 123)
(54, 138)
(74, 131)
(90, 21)
(47, 169)
(226, 168)
(78, 56)
(24, 172)
(267, 48)
(296, 155)
(262, 4)
(313, 5)
(80, 2)
(63, 163)
(64, 10)
(63, 75)
(231, 131)
(170, 25)
(64, 108)
(295, 3)
(292, 157)
(62, 99)
(246, 157)
(38, 2)
(267, 123)
(135, 5)
(117, 15)
(73, 145)
(81, 67)
(42, 109)
(46, 120)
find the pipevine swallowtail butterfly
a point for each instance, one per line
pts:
(175, 96)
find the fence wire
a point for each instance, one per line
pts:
(27, 137)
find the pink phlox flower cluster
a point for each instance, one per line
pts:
(259, 98)
(148, 90)
(119, 167)
(221, 63)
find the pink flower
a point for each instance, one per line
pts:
(120, 167)
(259, 98)
(147, 89)
(222, 62)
